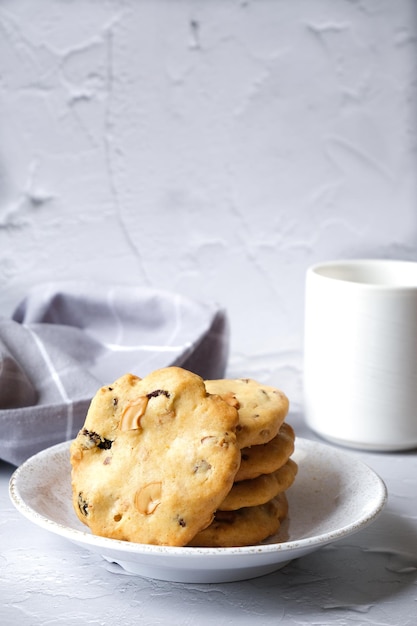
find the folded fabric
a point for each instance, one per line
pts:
(65, 340)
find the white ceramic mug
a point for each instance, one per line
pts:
(360, 353)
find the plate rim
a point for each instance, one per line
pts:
(85, 538)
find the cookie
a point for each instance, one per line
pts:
(261, 489)
(245, 527)
(262, 409)
(155, 458)
(268, 457)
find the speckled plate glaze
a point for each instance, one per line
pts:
(334, 495)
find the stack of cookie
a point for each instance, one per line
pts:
(171, 459)
(256, 503)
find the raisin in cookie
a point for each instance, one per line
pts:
(262, 409)
(259, 490)
(155, 458)
(268, 457)
(245, 527)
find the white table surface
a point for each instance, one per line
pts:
(367, 578)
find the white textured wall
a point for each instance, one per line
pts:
(212, 147)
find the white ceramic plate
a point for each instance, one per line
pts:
(333, 496)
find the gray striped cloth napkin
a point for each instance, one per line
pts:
(65, 340)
